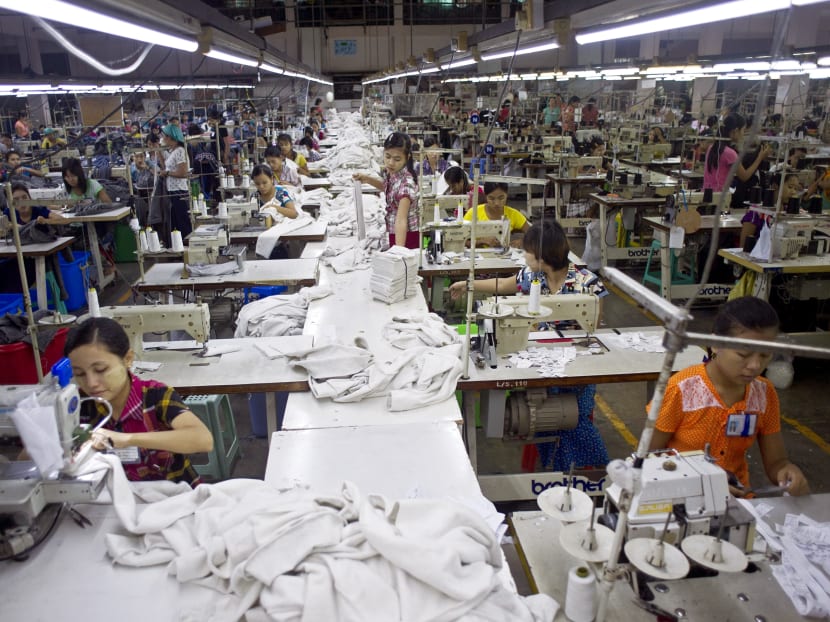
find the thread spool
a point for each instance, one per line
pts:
(134, 224)
(609, 176)
(231, 181)
(638, 179)
(142, 237)
(223, 210)
(534, 305)
(815, 205)
(177, 242)
(581, 595)
(436, 212)
(435, 178)
(459, 211)
(203, 207)
(709, 195)
(92, 301)
(769, 197)
(623, 179)
(792, 205)
(223, 181)
(153, 240)
(246, 181)
(755, 195)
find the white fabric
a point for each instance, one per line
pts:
(354, 257)
(639, 342)
(212, 269)
(394, 274)
(419, 330)
(550, 362)
(274, 316)
(342, 219)
(267, 240)
(294, 556)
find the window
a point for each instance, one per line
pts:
(325, 13)
(55, 63)
(250, 9)
(455, 11)
(10, 62)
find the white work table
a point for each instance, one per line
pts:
(113, 215)
(351, 312)
(416, 459)
(163, 277)
(314, 231)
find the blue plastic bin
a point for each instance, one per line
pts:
(250, 294)
(259, 415)
(76, 279)
(11, 303)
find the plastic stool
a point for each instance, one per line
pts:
(677, 277)
(216, 413)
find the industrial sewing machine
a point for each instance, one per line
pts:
(649, 153)
(240, 212)
(137, 320)
(627, 139)
(581, 165)
(208, 244)
(690, 487)
(455, 236)
(24, 490)
(553, 147)
(56, 159)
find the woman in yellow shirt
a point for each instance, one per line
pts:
(496, 208)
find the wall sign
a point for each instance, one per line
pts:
(345, 47)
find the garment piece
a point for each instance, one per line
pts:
(151, 406)
(514, 217)
(694, 414)
(267, 240)
(419, 330)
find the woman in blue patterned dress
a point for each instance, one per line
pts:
(546, 255)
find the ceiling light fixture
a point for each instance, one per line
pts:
(684, 19)
(232, 58)
(530, 50)
(65, 13)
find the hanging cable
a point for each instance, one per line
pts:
(89, 60)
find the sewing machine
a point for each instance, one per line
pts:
(555, 146)
(455, 235)
(650, 152)
(208, 244)
(694, 489)
(509, 322)
(790, 234)
(581, 165)
(56, 159)
(136, 320)
(627, 139)
(24, 490)
(240, 212)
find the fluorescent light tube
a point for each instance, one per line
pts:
(271, 68)
(65, 13)
(232, 58)
(536, 48)
(806, 2)
(684, 19)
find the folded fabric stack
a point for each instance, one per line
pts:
(394, 274)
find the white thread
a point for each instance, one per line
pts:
(92, 301)
(177, 242)
(581, 595)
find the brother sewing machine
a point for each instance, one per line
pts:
(208, 244)
(574, 166)
(693, 490)
(137, 320)
(240, 212)
(554, 147)
(24, 490)
(455, 236)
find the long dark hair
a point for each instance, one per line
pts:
(731, 123)
(456, 174)
(399, 140)
(74, 166)
(547, 241)
(262, 169)
(745, 313)
(286, 138)
(101, 330)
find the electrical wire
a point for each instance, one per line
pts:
(21, 556)
(87, 58)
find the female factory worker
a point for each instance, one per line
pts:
(752, 220)
(430, 160)
(287, 147)
(495, 209)
(276, 198)
(22, 127)
(459, 183)
(27, 213)
(14, 167)
(285, 171)
(78, 186)
(399, 183)
(546, 255)
(148, 417)
(656, 137)
(720, 156)
(727, 404)
(553, 110)
(175, 173)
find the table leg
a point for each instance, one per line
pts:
(96, 253)
(665, 264)
(271, 413)
(492, 413)
(40, 280)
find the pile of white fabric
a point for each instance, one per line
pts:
(355, 256)
(293, 555)
(341, 216)
(394, 274)
(275, 316)
(415, 330)
(419, 376)
(268, 239)
(313, 197)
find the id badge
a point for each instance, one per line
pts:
(128, 455)
(741, 424)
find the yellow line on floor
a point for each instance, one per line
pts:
(614, 418)
(808, 433)
(124, 297)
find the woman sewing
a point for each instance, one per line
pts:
(151, 429)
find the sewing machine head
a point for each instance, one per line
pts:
(208, 244)
(583, 165)
(694, 489)
(650, 152)
(56, 159)
(513, 321)
(192, 318)
(455, 238)
(791, 234)
(240, 212)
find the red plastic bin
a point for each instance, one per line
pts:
(17, 361)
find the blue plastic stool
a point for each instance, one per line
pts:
(677, 277)
(216, 413)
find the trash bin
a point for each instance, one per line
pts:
(259, 414)
(17, 361)
(75, 279)
(124, 243)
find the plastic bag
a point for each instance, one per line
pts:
(762, 251)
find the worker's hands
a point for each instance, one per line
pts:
(103, 439)
(457, 289)
(791, 477)
(765, 151)
(42, 220)
(361, 177)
